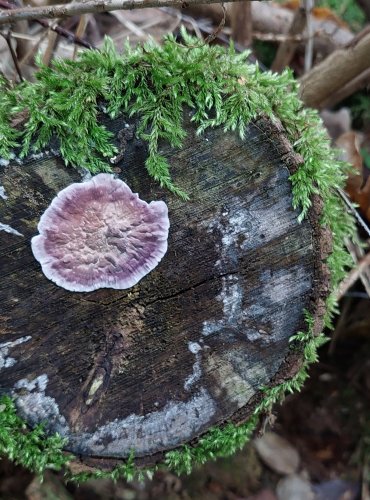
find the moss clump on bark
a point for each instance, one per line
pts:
(31, 448)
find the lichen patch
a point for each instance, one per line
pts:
(9, 229)
(194, 348)
(5, 360)
(165, 428)
(2, 193)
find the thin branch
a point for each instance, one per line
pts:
(48, 54)
(8, 39)
(308, 57)
(353, 210)
(342, 66)
(361, 81)
(357, 272)
(58, 29)
(80, 31)
(33, 49)
(210, 38)
(287, 49)
(241, 23)
(78, 8)
(272, 37)
(203, 28)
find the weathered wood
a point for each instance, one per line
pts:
(188, 347)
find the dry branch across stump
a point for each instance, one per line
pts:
(191, 345)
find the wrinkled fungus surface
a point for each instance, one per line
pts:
(99, 234)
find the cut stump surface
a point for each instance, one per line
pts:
(190, 346)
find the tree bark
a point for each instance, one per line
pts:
(287, 49)
(359, 82)
(241, 23)
(342, 66)
(190, 346)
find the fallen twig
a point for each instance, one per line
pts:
(356, 273)
(58, 29)
(52, 42)
(8, 38)
(342, 66)
(78, 8)
(308, 56)
(286, 49)
(358, 83)
(279, 38)
(80, 31)
(241, 23)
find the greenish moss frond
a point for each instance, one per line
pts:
(127, 470)
(33, 449)
(219, 441)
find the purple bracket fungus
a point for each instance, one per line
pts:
(99, 234)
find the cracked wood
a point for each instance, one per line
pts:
(188, 347)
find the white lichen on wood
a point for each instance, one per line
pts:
(2, 193)
(166, 428)
(36, 407)
(5, 361)
(9, 229)
(194, 348)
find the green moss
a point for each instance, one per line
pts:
(155, 83)
(31, 448)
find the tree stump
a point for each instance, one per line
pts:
(191, 345)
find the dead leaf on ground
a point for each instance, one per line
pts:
(277, 453)
(358, 185)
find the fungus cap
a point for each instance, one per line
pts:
(99, 234)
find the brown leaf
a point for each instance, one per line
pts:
(319, 13)
(326, 14)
